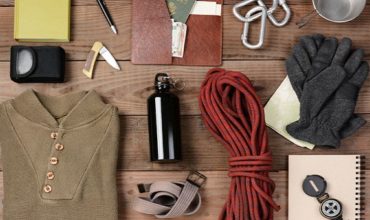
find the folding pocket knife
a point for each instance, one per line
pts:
(97, 48)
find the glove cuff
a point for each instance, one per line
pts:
(314, 133)
(355, 123)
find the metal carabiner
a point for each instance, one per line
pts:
(250, 14)
(288, 14)
(273, 8)
(261, 10)
(239, 5)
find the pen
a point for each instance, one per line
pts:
(107, 15)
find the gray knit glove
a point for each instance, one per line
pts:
(299, 64)
(327, 83)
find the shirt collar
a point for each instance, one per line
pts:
(65, 111)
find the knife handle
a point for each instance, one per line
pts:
(91, 59)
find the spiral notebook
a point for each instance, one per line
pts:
(343, 176)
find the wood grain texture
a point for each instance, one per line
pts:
(201, 151)
(279, 41)
(91, 2)
(129, 88)
(214, 193)
(89, 25)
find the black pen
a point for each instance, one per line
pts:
(107, 15)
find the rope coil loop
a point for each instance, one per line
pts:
(232, 112)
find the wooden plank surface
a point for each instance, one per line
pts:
(89, 2)
(88, 25)
(214, 193)
(202, 152)
(128, 90)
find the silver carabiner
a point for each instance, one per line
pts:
(261, 10)
(288, 14)
(263, 14)
(239, 5)
(273, 8)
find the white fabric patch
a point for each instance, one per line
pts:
(283, 109)
(206, 8)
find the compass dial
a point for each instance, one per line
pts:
(331, 208)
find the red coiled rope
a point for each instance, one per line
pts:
(232, 112)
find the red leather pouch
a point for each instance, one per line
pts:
(204, 40)
(152, 36)
(151, 32)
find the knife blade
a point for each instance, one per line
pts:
(109, 58)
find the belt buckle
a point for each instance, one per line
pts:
(196, 178)
(141, 188)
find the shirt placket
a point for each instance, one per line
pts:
(54, 160)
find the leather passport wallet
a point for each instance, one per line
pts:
(152, 36)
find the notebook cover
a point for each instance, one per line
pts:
(152, 36)
(42, 20)
(340, 172)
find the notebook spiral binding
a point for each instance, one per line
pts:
(360, 189)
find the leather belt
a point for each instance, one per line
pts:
(232, 112)
(171, 199)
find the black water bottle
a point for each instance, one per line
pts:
(164, 121)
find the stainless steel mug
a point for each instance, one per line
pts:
(338, 11)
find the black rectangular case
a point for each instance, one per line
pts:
(40, 64)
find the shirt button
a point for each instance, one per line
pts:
(59, 147)
(47, 188)
(50, 175)
(53, 160)
(54, 135)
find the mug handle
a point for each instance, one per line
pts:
(307, 18)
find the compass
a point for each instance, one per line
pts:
(315, 186)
